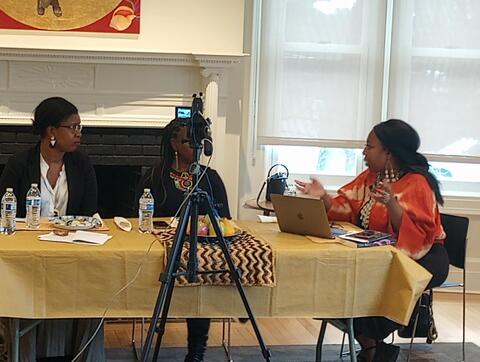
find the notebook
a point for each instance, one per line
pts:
(303, 216)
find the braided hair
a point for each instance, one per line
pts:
(161, 170)
(402, 141)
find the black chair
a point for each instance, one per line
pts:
(346, 326)
(456, 228)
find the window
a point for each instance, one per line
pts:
(334, 166)
(323, 83)
(460, 179)
(317, 161)
(436, 73)
(319, 77)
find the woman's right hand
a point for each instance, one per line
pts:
(313, 188)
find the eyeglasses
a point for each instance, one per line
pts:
(74, 127)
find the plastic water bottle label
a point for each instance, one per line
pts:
(148, 206)
(35, 202)
(10, 206)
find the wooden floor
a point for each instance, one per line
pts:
(283, 331)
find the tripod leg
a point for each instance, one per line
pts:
(191, 269)
(160, 329)
(235, 275)
(192, 264)
(168, 280)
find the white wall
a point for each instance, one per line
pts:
(167, 26)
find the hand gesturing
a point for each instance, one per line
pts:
(383, 193)
(312, 188)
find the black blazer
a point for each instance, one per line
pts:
(23, 169)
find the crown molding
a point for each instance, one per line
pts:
(110, 57)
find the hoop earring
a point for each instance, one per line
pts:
(176, 160)
(53, 141)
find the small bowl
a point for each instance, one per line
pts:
(122, 223)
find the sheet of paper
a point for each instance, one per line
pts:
(79, 236)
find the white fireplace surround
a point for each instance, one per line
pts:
(109, 88)
(123, 89)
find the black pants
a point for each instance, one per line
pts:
(197, 335)
(437, 263)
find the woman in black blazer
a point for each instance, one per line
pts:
(68, 186)
(57, 122)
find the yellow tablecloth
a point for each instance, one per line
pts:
(41, 279)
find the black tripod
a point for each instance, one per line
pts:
(199, 130)
(167, 278)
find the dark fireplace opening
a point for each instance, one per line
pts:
(117, 187)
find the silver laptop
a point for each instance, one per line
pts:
(300, 215)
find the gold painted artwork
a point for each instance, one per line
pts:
(58, 14)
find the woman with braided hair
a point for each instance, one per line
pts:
(396, 194)
(169, 181)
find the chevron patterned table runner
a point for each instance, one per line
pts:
(252, 256)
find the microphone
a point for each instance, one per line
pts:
(200, 127)
(207, 139)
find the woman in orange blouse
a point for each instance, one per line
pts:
(396, 194)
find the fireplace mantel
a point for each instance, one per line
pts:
(115, 90)
(111, 89)
(111, 57)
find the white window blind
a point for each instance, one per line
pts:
(321, 69)
(435, 73)
(321, 73)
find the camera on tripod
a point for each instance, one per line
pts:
(198, 127)
(198, 131)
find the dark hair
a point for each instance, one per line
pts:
(161, 170)
(51, 112)
(402, 141)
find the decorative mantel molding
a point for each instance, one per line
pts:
(27, 75)
(97, 57)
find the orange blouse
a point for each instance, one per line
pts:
(420, 226)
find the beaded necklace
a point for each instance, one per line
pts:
(181, 179)
(366, 208)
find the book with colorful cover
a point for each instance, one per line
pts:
(367, 238)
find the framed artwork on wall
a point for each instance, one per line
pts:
(105, 16)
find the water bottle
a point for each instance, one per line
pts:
(145, 212)
(34, 201)
(9, 212)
